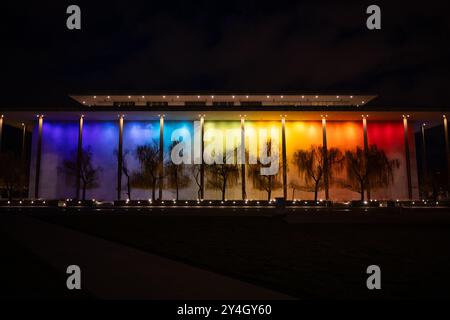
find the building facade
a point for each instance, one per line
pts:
(329, 130)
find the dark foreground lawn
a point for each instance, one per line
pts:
(306, 254)
(25, 276)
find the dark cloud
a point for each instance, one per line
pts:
(225, 45)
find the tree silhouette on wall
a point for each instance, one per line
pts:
(147, 177)
(266, 183)
(222, 175)
(196, 174)
(372, 168)
(310, 165)
(176, 173)
(125, 170)
(295, 185)
(89, 175)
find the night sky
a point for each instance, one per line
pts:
(216, 46)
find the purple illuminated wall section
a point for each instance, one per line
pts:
(59, 142)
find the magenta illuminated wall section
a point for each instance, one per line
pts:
(389, 136)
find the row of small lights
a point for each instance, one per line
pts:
(199, 201)
(212, 97)
(241, 116)
(21, 202)
(233, 97)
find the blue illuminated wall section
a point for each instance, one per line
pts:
(189, 191)
(136, 133)
(103, 138)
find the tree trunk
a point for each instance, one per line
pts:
(176, 182)
(316, 190)
(224, 186)
(10, 194)
(84, 192)
(362, 190)
(153, 189)
(128, 187)
(269, 191)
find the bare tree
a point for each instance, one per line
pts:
(311, 168)
(196, 173)
(267, 183)
(12, 173)
(371, 168)
(89, 175)
(147, 176)
(222, 174)
(294, 185)
(177, 177)
(125, 170)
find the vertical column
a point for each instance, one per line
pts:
(161, 155)
(325, 155)
(407, 155)
(283, 150)
(424, 162)
(366, 152)
(23, 155)
(447, 152)
(120, 159)
(202, 165)
(79, 155)
(24, 135)
(242, 157)
(1, 131)
(38, 156)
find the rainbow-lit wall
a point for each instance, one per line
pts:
(60, 138)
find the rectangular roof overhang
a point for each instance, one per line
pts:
(188, 100)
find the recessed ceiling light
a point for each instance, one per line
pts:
(233, 97)
(246, 97)
(351, 97)
(143, 97)
(164, 97)
(95, 97)
(317, 97)
(268, 97)
(129, 97)
(108, 97)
